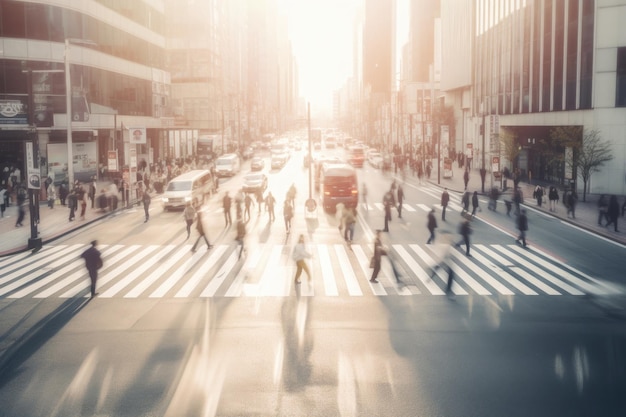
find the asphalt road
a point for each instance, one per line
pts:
(243, 340)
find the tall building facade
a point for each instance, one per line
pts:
(537, 65)
(114, 58)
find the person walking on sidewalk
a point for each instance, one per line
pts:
(466, 178)
(431, 225)
(465, 200)
(83, 203)
(445, 199)
(52, 195)
(349, 220)
(603, 206)
(189, 215)
(202, 234)
(147, 199)
(3, 204)
(553, 196)
(299, 255)
(21, 206)
(92, 192)
(93, 262)
(71, 203)
(572, 200)
(538, 194)
(522, 226)
(613, 212)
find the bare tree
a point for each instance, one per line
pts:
(589, 154)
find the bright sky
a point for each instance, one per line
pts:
(321, 36)
(321, 32)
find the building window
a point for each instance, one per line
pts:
(620, 91)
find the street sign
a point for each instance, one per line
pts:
(33, 174)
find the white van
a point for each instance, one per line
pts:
(227, 165)
(193, 186)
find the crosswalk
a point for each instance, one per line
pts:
(267, 270)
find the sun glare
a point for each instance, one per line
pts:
(321, 36)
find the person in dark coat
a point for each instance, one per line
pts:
(538, 194)
(202, 235)
(147, 199)
(72, 203)
(93, 262)
(431, 225)
(465, 200)
(475, 203)
(572, 200)
(522, 226)
(465, 230)
(466, 178)
(603, 206)
(553, 196)
(379, 251)
(63, 193)
(613, 212)
(387, 203)
(445, 199)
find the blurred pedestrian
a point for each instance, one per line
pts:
(147, 199)
(553, 197)
(189, 215)
(400, 193)
(202, 234)
(103, 201)
(387, 203)
(376, 260)
(475, 205)
(21, 206)
(603, 205)
(226, 203)
(247, 201)
(287, 215)
(517, 199)
(270, 202)
(349, 220)
(445, 199)
(465, 230)
(522, 226)
(3, 200)
(291, 195)
(258, 195)
(364, 196)
(299, 255)
(71, 203)
(613, 212)
(241, 235)
(466, 178)
(538, 194)
(494, 194)
(572, 200)
(93, 262)
(465, 200)
(52, 195)
(63, 193)
(92, 192)
(431, 225)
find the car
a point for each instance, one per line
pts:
(356, 156)
(257, 164)
(254, 182)
(279, 160)
(375, 159)
(248, 152)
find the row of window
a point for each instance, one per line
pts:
(521, 69)
(50, 23)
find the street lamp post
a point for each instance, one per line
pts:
(68, 109)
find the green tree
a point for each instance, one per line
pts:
(590, 152)
(510, 146)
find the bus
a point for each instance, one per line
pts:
(205, 148)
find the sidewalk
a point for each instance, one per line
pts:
(586, 212)
(54, 223)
